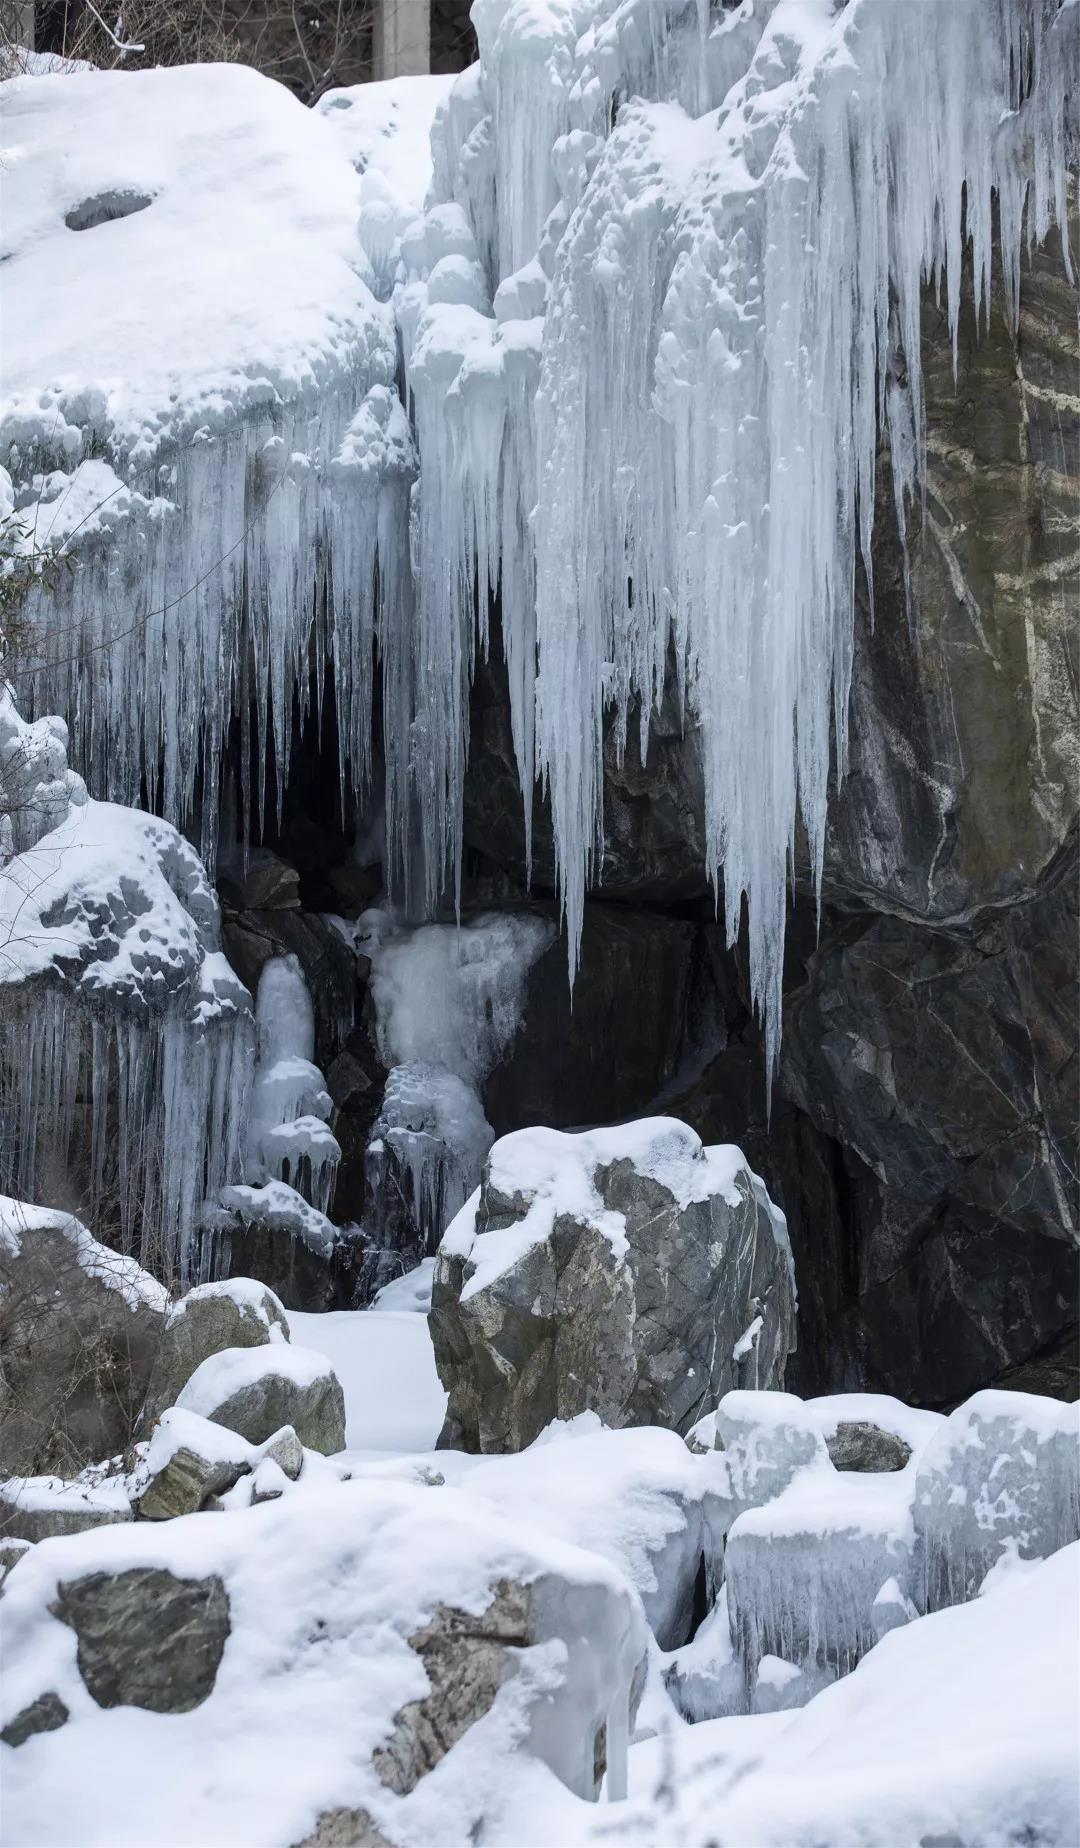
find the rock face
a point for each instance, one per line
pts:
(627, 1272)
(147, 1638)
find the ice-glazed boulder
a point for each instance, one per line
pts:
(628, 1271)
(1001, 1477)
(376, 1660)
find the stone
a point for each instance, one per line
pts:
(567, 1324)
(342, 1828)
(45, 1714)
(81, 1328)
(464, 1658)
(286, 1450)
(186, 1483)
(11, 1551)
(254, 1392)
(213, 1316)
(269, 1482)
(147, 1638)
(857, 1445)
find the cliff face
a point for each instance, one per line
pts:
(923, 1128)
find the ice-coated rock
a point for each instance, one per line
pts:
(803, 1571)
(255, 1391)
(238, 1313)
(82, 1330)
(1003, 1472)
(626, 1271)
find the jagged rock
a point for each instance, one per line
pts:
(266, 883)
(860, 1446)
(616, 1271)
(464, 1658)
(187, 1481)
(45, 1714)
(239, 1313)
(286, 1450)
(147, 1638)
(81, 1329)
(255, 1391)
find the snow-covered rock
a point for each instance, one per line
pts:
(236, 1313)
(377, 1659)
(255, 1391)
(625, 1271)
(82, 1330)
(41, 1507)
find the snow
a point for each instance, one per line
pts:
(409, 1292)
(251, 1298)
(384, 1361)
(152, 344)
(385, 131)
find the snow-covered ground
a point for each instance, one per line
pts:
(393, 1399)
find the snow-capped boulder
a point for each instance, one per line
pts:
(1001, 1476)
(191, 1461)
(626, 1271)
(370, 1645)
(81, 1328)
(255, 1391)
(238, 1313)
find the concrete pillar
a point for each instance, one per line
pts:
(402, 38)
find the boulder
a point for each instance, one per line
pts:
(239, 1313)
(859, 1445)
(147, 1638)
(255, 1391)
(189, 1460)
(81, 1328)
(629, 1272)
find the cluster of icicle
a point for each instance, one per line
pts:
(652, 346)
(125, 1039)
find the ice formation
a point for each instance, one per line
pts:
(287, 1135)
(213, 445)
(116, 992)
(717, 286)
(650, 349)
(448, 1001)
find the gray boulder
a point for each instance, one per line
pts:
(629, 1272)
(858, 1445)
(147, 1638)
(255, 1391)
(239, 1313)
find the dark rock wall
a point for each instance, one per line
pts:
(923, 1129)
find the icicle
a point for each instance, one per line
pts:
(287, 1137)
